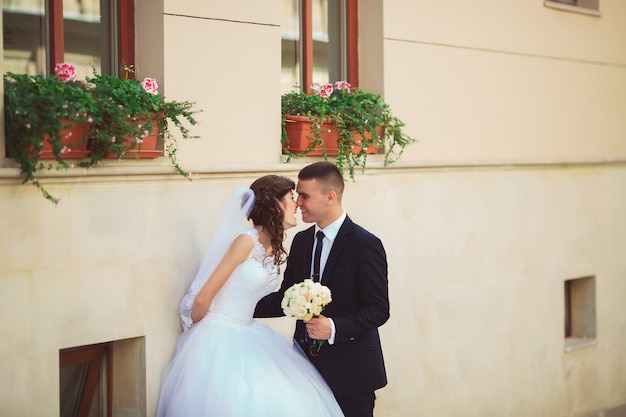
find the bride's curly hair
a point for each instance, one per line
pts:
(266, 212)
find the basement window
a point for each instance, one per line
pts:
(84, 375)
(103, 380)
(580, 313)
(589, 7)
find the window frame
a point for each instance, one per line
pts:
(95, 356)
(351, 43)
(122, 34)
(580, 313)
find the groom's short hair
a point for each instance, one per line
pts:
(326, 173)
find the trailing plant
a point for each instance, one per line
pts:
(36, 109)
(358, 117)
(121, 112)
(131, 110)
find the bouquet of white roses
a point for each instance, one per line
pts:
(305, 300)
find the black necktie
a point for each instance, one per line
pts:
(318, 256)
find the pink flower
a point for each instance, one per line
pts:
(65, 72)
(150, 85)
(325, 91)
(343, 85)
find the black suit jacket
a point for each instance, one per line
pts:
(356, 274)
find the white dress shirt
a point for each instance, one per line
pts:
(330, 233)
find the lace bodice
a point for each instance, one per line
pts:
(256, 277)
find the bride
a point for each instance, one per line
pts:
(226, 364)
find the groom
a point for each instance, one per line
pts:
(353, 265)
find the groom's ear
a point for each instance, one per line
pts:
(331, 197)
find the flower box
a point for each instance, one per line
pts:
(73, 141)
(39, 110)
(300, 132)
(354, 124)
(139, 148)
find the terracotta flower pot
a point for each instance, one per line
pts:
(300, 133)
(73, 139)
(147, 146)
(371, 149)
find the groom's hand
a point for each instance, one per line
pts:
(319, 328)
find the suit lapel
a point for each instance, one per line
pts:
(308, 253)
(338, 244)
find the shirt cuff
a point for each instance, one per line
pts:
(331, 341)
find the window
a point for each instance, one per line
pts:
(91, 34)
(84, 375)
(590, 7)
(580, 312)
(104, 379)
(319, 43)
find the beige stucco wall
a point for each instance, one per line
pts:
(513, 80)
(515, 186)
(477, 259)
(477, 284)
(233, 75)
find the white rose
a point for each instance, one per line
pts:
(300, 312)
(300, 300)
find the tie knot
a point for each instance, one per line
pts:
(320, 235)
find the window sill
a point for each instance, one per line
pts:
(106, 168)
(139, 170)
(575, 343)
(569, 8)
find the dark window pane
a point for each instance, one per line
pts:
(71, 386)
(86, 35)
(24, 36)
(320, 42)
(328, 45)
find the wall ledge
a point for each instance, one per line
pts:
(141, 170)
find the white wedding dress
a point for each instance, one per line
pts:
(229, 365)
